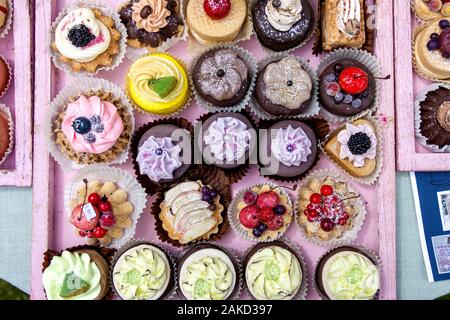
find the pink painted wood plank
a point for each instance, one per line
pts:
(20, 172)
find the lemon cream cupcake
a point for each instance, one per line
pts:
(158, 84)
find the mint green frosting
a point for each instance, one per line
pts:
(273, 273)
(73, 264)
(142, 273)
(349, 275)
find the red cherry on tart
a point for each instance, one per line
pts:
(315, 198)
(249, 216)
(327, 225)
(79, 219)
(107, 221)
(250, 197)
(326, 190)
(94, 199)
(217, 9)
(99, 232)
(104, 205)
(268, 199)
(353, 80)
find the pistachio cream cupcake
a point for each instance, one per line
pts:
(158, 84)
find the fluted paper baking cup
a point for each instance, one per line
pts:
(252, 66)
(371, 63)
(420, 98)
(123, 180)
(373, 177)
(77, 88)
(190, 88)
(196, 45)
(117, 58)
(268, 235)
(172, 286)
(312, 108)
(8, 20)
(376, 260)
(357, 222)
(231, 253)
(4, 109)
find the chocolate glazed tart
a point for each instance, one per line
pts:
(203, 246)
(282, 40)
(324, 259)
(276, 243)
(435, 117)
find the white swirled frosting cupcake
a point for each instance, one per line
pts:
(273, 272)
(142, 273)
(207, 273)
(348, 273)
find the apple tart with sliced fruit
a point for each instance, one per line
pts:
(101, 211)
(191, 211)
(328, 208)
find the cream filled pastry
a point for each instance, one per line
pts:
(358, 143)
(207, 274)
(142, 273)
(273, 273)
(92, 125)
(81, 36)
(291, 146)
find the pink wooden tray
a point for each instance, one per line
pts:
(411, 155)
(50, 226)
(16, 47)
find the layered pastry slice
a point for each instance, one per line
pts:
(191, 211)
(343, 24)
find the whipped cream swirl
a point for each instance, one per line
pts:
(283, 14)
(349, 17)
(291, 146)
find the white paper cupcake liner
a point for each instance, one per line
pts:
(373, 178)
(231, 253)
(303, 290)
(132, 243)
(125, 181)
(421, 97)
(371, 254)
(117, 59)
(173, 114)
(6, 111)
(310, 111)
(8, 20)
(367, 59)
(305, 41)
(252, 66)
(75, 89)
(243, 232)
(195, 47)
(348, 235)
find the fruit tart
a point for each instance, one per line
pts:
(431, 9)
(328, 209)
(261, 213)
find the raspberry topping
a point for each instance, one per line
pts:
(217, 9)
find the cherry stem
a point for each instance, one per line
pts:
(384, 78)
(85, 181)
(354, 197)
(294, 188)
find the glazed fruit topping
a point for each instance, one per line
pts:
(359, 143)
(435, 5)
(250, 197)
(441, 41)
(353, 80)
(266, 214)
(80, 36)
(268, 199)
(217, 9)
(82, 125)
(249, 216)
(209, 195)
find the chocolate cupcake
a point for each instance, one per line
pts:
(274, 271)
(288, 149)
(207, 272)
(348, 273)
(282, 24)
(222, 77)
(162, 153)
(284, 88)
(228, 140)
(435, 116)
(347, 87)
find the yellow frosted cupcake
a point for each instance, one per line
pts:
(158, 84)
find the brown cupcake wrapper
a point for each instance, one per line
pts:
(371, 255)
(321, 129)
(10, 74)
(170, 292)
(196, 173)
(4, 30)
(235, 174)
(252, 66)
(231, 253)
(106, 253)
(293, 248)
(152, 187)
(312, 108)
(190, 88)
(350, 234)
(368, 46)
(4, 109)
(422, 98)
(243, 232)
